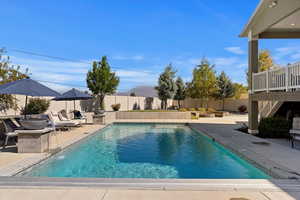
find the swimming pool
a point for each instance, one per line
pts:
(147, 151)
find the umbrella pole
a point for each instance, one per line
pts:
(25, 110)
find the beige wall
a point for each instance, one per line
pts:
(229, 105)
(127, 103)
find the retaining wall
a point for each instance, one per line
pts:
(153, 115)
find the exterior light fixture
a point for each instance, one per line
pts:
(293, 24)
(273, 4)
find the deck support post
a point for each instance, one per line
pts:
(253, 68)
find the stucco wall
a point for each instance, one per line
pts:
(127, 103)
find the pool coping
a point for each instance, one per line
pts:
(153, 184)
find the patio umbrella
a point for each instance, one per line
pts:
(27, 87)
(73, 95)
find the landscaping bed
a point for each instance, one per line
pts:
(183, 113)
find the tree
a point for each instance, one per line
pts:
(101, 81)
(166, 86)
(265, 60)
(132, 94)
(180, 92)
(203, 85)
(9, 73)
(225, 88)
(239, 89)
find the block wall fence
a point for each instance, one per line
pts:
(127, 103)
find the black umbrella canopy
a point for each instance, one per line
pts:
(73, 94)
(27, 87)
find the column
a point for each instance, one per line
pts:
(253, 68)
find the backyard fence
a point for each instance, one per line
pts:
(127, 103)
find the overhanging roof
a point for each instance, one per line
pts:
(274, 19)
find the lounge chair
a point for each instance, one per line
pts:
(64, 117)
(79, 115)
(10, 131)
(295, 132)
(59, 124)
(13, 128)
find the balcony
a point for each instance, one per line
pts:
(279, 79)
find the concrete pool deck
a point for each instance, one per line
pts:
(275, 158)
(137, 189)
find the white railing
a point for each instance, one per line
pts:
(283, 78)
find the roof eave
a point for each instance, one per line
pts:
(252, 19)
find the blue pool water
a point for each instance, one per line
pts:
(147, 151)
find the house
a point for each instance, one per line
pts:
(272, 19)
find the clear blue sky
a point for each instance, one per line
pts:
(140, 37)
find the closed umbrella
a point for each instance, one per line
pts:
(73, 95)
(27, 87)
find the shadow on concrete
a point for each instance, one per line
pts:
(11, 149)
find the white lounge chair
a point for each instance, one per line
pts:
(295, 132)
(57, 123)
(64, 117)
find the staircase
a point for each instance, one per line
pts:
(269, 108)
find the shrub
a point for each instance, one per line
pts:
(201, 109)
(148, 103)
(36, 106)
(242, 108)
(182, 110)
(274, 127)
(136, 106)
(194, 116)
(172, 108)
(211, 110)
(116, 107)
(191, 109)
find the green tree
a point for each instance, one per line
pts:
(239, 89)
(224, 89)
(101, 81)
(203, 85)
(9, 73)
(180, 92)
(166, 86)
